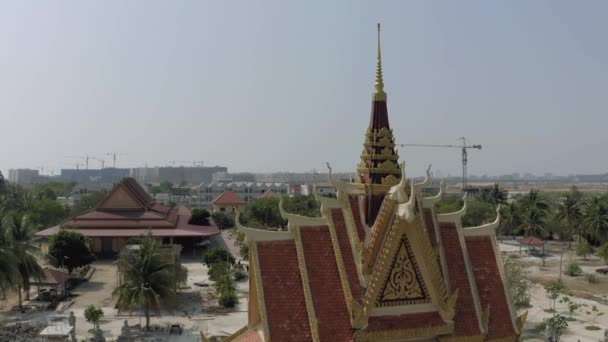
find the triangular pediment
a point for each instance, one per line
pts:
(120, 198)
(403, 283)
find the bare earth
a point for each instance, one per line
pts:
(578, 289)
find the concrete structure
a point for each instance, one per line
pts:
(176, 175)
(379, 264)
(207, 192)
(22, 176)
(324, 189)
(106, 175)
(128, 211)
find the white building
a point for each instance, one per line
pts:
(207, 192)
(22, 176)
(324, 189)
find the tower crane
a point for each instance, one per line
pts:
(114, 154)
(463, 147)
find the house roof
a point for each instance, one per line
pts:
(531, 240)
(228, 198)
(53, 277)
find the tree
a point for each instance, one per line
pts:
(88, 202)
(200, 217)
(583, 249)
(509, 217)
(556, 324)
(569, 213)
(533, 213)
(263, 213)
(602, 252)
(518, 284)
(147, 279)
(572, 306)
(3, 187)
(554, 290)
(494, 195)
(18, 232)
(217, 254)
(223, 220)
(93, 315)
(69, 249)
(478, 213)
(46, 212)
(595, 218)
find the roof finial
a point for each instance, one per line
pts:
(379, 94)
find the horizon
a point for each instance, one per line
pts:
(266, 90)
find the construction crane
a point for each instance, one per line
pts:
(103, 162)
(86, 159)
(463, 147)
(114, 154)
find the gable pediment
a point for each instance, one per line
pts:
(403, 283)
(120, 198)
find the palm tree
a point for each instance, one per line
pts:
(147, 278)
(510, 217)
(18, 234)
(595, 218)
(533, 213)
(569, 212)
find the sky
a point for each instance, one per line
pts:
(286, 85)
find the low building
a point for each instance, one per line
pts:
(229, 202)
(128, 211)
(207, 192)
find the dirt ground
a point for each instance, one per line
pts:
(577, 289)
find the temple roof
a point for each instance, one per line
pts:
(129, 211)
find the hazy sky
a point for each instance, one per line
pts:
(286, 85)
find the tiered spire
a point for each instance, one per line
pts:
(379, 167)
(379, 94)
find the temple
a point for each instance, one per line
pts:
(128, 211)
(379, 264)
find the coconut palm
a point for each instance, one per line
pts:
(510, 218)
(533, 213)
(569, 212)
(147, 279)
(18, 234)
(595, 218)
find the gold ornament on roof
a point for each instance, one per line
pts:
(379, 94)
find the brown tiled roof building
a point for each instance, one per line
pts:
(129, 211)
(379, 264)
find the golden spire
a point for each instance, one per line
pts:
(379, 94)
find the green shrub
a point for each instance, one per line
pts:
(240, 274)
(93, 315)
(228, 299)
(602, 252)
(591, 278)
(556, 324)
(218, 271)
(583, 249)
(217, 254)
(573, 269)
(200, 217)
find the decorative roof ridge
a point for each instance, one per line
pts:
(256, 234)
(427, 178)
(300, 220)
(346, 187)
(455, 216)
(397, 192)
(379, 94)
(428, 202)
(326, 202)
(484, 229)
(407, 210)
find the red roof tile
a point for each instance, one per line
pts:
(429, 225)
(356, 211)
(286, 312)
(347, 253)
(56, 277)
(228, 198)
(490, 287)
(466, 321)
(325, 286)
